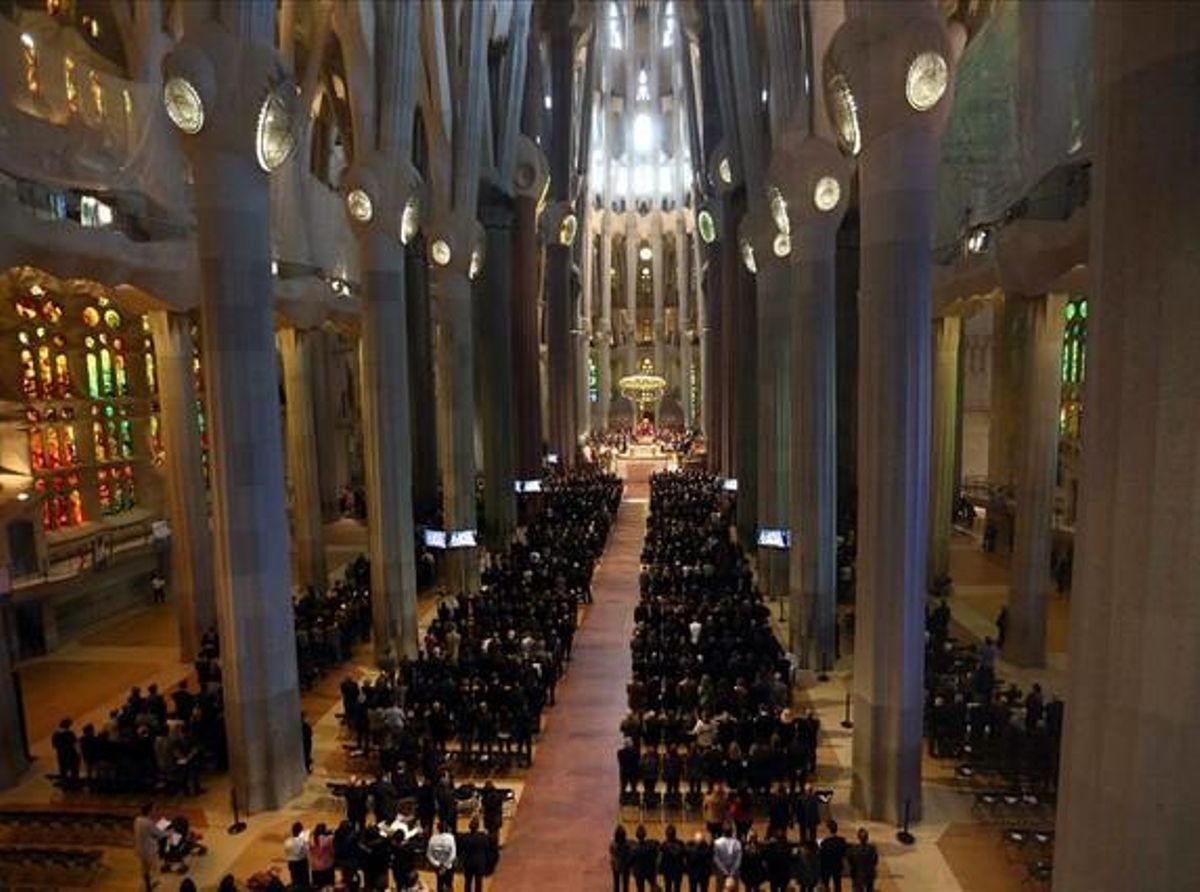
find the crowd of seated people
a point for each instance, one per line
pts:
(710, 693)
(968, 712)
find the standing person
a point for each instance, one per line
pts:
(727, 855)
(63, 740)
(808, 814)
(672, 860)
(699, 863)
(833, 858)
(754, 864)
(1002, 627)
(158, 588)
(442, 853)
(320, 857)
(620, 859)
(146, 835)
(864, 863)
(295, 852)
(473, 855)
(716, 809)
(808, 866)
(492, 801)
(645, 860)
(778, 857)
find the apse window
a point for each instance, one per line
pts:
(94, 213)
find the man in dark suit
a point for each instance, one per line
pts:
(833, 858)
(473, 856)
(864, 863)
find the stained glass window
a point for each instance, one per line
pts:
(1074, 362)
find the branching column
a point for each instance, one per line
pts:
(604, 329)
(683, 305)
(631, 280)
(191, 576)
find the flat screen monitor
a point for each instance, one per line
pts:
(729, 484)
(462, 539)
(772, 538)
(435, 539)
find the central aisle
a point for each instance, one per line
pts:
(559, 839)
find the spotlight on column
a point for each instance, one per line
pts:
(359, 205)
(410, 219)
(748, 256)
(826, 194)
(558, 224)
(567, 229)
(978, 240)
(781, 245)
(439, 252)
(928, 77)
(275, 136)
(189, 87)
(706, 224)
(779, 211)
(843, 108)
(476, 265)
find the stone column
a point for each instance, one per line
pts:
(699, 297)
(683, 304)
(456, 408)
(1029, 585)
(812, 578)
(387, 443)
(253, 576)
(744, 367)
(774, 411)
(631, 279)
(897, 178)
(308, 530)
(1129, 779)
(13, 759)
(324, 402)
(526, 276)
(604, 330)
(496, 369)
(583, 325)
(420, 370)
(942, 482)
(191, 573)
(656, 282)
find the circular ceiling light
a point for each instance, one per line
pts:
(707, 226)
(358, 203)
(844, 109)
(827, 193)
(748, 256)
(410, 219)
(725, 171)
(567, 229)
(782, 244)
(275, 140)
(183, 104)
(440, 252)
(644, 253)
(928, 76)
(779, 212)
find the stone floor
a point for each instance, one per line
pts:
(567, 802)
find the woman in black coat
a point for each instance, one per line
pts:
(645, 860)
(672, 861)
(620, 859)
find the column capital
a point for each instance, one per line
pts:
(813, 178)
(532, 172)
(456, 243)
(216, 86)
(891, 66)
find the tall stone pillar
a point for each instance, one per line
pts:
(1129, 778)
(604, 329)
(495, 316)
(744, 368)
(947, 333)
(699, 298)
(324, 403)
(684, 306)
(1008, 366)
(656, 280)
(530, 180)
(13, 759)
(191, 573)
(387, 444)
(632, 241)
(252, 572)
(897, 177)
(583, 325)
(297, 348)
(804, 169)
(1037, 469)
(774, 290)
(454, 349)
(420, 371)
